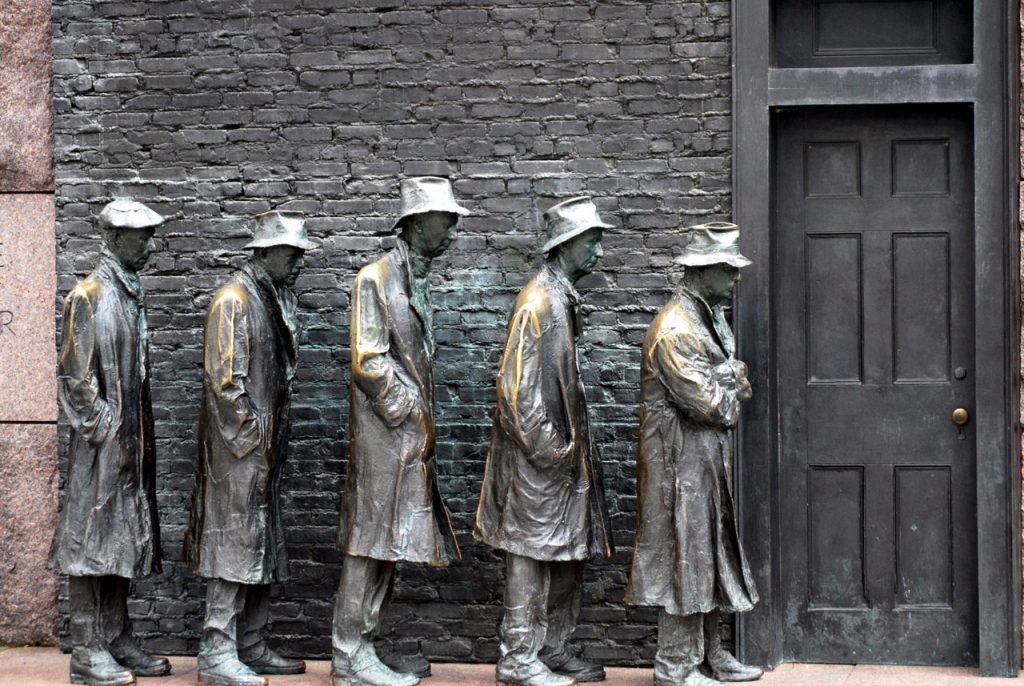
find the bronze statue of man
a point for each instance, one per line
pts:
(391, 508)
(109, 532)
(542, 499)
(688, 559)
(235, 537)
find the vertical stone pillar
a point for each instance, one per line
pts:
(28, 389)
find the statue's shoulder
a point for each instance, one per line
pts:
(86, 291)
(677, 324)
(535, 298)
(234, 292)
(375, 272)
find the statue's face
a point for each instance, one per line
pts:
(581, 253)
(430, 233)
(283, 263)
(132, 246)
(720, 281)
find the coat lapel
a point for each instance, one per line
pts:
(265, 293)
(712, 319)
(407, 325)
(131, 286)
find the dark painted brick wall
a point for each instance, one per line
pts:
(223, 109)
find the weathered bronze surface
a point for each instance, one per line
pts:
(235, 537)
(542, 499)
(391, 508)
(688, 558)
(109, 532)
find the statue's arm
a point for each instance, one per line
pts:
(226, 367)
(80, 390)
(373, 368)
(523, 410)
(694, 385)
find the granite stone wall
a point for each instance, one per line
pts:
(221, 110)
(28, 402)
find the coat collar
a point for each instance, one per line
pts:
(128, 279)
(564, 284)
(714, 319)
(278, 299)
(131, 285)
(400, 258)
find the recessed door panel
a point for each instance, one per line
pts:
(834, 321)
(835, 515)
(860, 33)
(875, 333)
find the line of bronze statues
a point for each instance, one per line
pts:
(542, 499)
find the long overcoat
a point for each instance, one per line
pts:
(542, 495)
(249, 355)
(391, 508)
(688, 557)
(109, 523)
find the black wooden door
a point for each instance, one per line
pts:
(874, 298)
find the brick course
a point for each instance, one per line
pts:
(221, 110)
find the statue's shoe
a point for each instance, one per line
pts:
(231, 672)
(694, 678)
(128, 653)
(579, 669)
(406, 664)
(98, 668)
(725, 667)
(261, 659)
(538, 674)
(374, 674)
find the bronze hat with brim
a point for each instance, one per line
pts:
(428, 194)
(713, 243)
(129, 214)
(569, 219)
(281, 228)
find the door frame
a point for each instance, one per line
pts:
(990, 86)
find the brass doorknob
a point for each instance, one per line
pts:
(960, 416)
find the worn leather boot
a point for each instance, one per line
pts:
(569, 665)
(535, 674)
(725, 667)
(128, 653)
(693, 678)
(364, 668)
(372, 675)
(230, 672)
(97, 667)
(405, 664)
(722, 664)
(261, 659)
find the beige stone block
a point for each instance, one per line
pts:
(28, 281)
(28, 518)
(26, 102)
(808, 675)
(885, 675)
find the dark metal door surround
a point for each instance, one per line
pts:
(875, 315)
(870, 58)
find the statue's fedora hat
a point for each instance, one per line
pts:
(428, 194)
(281, 228)
(713, 243)
(570, 218)
(129, 214)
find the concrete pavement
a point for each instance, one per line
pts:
(49, 667)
